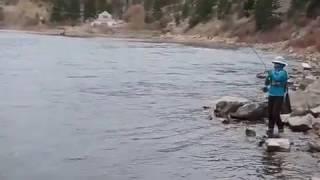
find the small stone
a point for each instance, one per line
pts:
(306, 66)
(206, 107)
(250, 132)
(226, 121)
(277, 145)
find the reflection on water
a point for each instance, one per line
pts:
(111, 109)
(272, 165)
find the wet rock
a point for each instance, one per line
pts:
(227, 105)
(314, 145)
(301, 123)
(306, 66)
(315, 111)
(226, 121)
(277, 145)
(251, 111)
(250, 132)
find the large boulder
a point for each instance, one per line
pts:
(313, 92)
(227, 105)
(301, 123)
(303, 101)
(251, 111)
(277, 145)
(299, 104)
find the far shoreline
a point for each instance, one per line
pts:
(182, 39)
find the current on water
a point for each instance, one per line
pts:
(79, 109)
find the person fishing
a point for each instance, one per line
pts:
(276, 86)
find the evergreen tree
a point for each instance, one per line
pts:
(73, 10)
(157, 12)
(313, 9)
(186, 9)
(89, 9)
(224, 7)
(148, 4)
(204, 8)
(264, 14)
(103, 5)
(58, 11)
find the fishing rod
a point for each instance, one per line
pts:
(260, 58)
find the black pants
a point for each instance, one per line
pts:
(274, 108)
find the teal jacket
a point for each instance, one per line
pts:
(276, 82)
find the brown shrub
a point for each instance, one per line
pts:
(302, 21)
(24, 13)
(135, 15)
(279, 33)
(311, 38)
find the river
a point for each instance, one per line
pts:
(79, 109)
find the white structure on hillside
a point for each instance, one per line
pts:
(104, 18)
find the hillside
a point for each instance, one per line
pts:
(295, 22)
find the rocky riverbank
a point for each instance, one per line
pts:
(305, 102)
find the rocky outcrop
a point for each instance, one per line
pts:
(313, 91)
(301, 123)
(227, 105)
(303, 101)
(251, 111)
(277, 145)
(299, 104)
(316, 128)
(314, 145)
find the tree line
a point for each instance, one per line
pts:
(70, 10)
(265, 12)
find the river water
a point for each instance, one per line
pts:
(79, 109)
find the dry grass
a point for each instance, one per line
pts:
(24, 13)
(311, 38)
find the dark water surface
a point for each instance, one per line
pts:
(100, 109)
